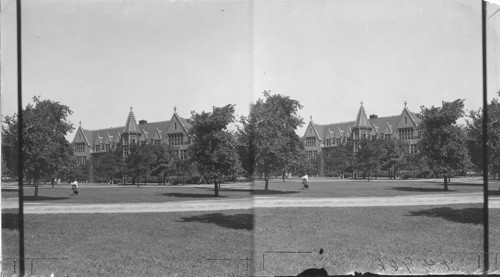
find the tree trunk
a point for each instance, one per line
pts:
(216, 188)
(283, 175)
(52, 182)
(36, 189)
(445, 183)
(266, 187)
(369, 176)
(145, 180)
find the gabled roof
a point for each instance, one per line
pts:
(183, 123)
(131, 124)
(388, 129)
(86, 134)
(107, 138)
(317, 130)
(98, 139)
(117, 138)
(157, 134)
(144, 136)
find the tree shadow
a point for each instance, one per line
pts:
(453, 183)
(420, 189)
(493, 192)
(236, 221)
(10, 221)
(260, 191)
(466, 215)
(191, 195)
(42, 198)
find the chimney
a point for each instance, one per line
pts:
(142, 122)
(372, 116)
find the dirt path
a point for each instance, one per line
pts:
(256, 202)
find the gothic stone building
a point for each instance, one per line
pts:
(90, 144)
(319, 137)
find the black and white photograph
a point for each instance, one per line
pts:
(250, 137)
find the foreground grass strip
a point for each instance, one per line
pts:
(147, 244)
(385, 240)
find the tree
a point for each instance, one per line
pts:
(475, 137)
(339, 159)
(139, 162)
(110, 165)
(271, 133)
(165, 161)
(394, 153)
(214, 147)
(369, 155)
(45, 148)
(442, 141)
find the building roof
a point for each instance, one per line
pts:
(377, 125)
(149, 128)
(361, 119)
(344, 128)
(131, 124)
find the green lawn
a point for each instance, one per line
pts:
(92, 193)
(418, 239)
(154, 244)
(369, 239)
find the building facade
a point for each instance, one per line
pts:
(320, 137)
(89, 145)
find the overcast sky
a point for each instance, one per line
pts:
(101, 57)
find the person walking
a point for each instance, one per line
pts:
(74, 188)
(305, 181)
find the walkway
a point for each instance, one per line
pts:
(256, 202)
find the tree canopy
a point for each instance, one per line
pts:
(442, 141)
(214, 148)
(270, 131)
(475, 137)
(46, 152)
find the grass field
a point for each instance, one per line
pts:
(373, 239)
(93, 193)
(154, 244)
(449, 238)
(388, 240)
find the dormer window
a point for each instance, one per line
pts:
(175, 125)
(406, 120)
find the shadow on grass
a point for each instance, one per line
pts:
(236, 221)
(192, 195)
(420, 189)
(452, 183)
(467, 215)
(493, 192)
(260, 191)
(10, 221)
(42, 198)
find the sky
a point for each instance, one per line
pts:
(102, 57)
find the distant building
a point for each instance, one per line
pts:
(320, 137)
(90, 144)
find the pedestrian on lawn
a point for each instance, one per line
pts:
(74, 188)
(305, 181)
